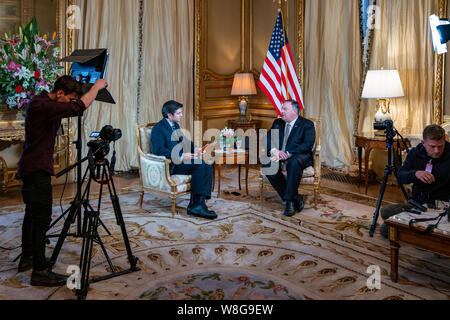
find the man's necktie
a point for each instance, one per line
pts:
(286, 136)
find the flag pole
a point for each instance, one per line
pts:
(285, 50)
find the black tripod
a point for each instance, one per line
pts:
(393, 157)
(91, 221)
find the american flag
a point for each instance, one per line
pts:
(278, 72)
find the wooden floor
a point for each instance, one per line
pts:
(392, 193)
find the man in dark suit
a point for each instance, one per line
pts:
(168, 140)
(292, 151)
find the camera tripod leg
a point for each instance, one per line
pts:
(89, 231)
(387, 171)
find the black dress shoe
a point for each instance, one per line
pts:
(200, 211)
(299, 205)
(46, 278)
(190, 207)
(25, 263)
(289, 211)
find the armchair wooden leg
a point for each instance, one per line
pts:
(141, 199)
(316, 195)
(173, 207)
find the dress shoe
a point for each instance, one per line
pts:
(299, 205)
(190, 207)
(200, 211)
(46, 278)
(289, 211)
(25, 263)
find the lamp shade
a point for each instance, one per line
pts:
(381, 84)
(243, 84)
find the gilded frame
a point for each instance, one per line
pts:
(439, 78)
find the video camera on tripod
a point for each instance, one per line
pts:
(394, 162)
(100, 144)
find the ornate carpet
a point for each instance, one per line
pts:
(250, 252)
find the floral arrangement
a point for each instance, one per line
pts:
(27, 65)
(228, 137)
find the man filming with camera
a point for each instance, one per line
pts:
(42, 122)
(427, 167)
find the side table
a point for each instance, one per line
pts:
(368, 142)
(230, 157)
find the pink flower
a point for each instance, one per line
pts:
(189, 290)
(12, 66)
(13, 41)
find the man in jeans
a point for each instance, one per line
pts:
(427, 167)
(42, 121)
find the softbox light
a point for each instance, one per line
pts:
(440, 33)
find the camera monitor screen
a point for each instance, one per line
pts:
(94, 135)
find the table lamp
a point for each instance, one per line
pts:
(243, 86)
(382, 85)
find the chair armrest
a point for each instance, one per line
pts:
(160, 159)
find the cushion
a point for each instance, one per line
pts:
(145, 133)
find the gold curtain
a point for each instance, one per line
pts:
(113, 24)
(332, 74)
(403, 42)
(167, 64)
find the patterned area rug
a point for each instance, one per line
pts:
(250, 252)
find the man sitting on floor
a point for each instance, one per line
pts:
(427, 167)
(166, 135)
(296, 139)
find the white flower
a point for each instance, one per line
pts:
(24, 73)
(55, 52)
(24, 53)
(227, 132)
(11, 101)
(37, 48)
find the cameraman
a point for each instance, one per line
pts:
(42, 121)
(427, 167)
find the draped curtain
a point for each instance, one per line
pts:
(332, 74)
(159, 52)
(403, 42)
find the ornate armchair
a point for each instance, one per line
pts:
(311, 175)
(154, 171)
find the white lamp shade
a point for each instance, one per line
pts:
(243, 84)
(381, 84)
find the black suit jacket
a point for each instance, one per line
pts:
(161, 143)
(300, 142)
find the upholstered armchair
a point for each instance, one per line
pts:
(154, 171)
(311, 175)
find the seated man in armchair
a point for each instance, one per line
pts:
(166, 136)
(292, 151)
(427, 167)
